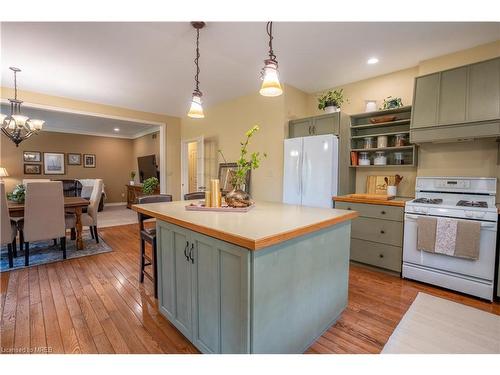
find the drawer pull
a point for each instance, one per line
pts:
(349, 208)
(383, 212)
(381, 255)
(382, 231)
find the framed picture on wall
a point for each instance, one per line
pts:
(88, 160)
(53, 163)
(32, 156)
(74, 159)
(32, 169)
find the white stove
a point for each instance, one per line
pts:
(461, 198)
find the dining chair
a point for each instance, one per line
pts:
(28, 180)
(149, 235)
(195, 195)
(89, 218)
(9, 229)
(44, 216)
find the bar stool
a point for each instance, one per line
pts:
(149, 235)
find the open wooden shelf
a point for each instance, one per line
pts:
(381, 124)
(399, 148)
(377, 134)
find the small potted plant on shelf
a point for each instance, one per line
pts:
(132, 178)
(150, 185)
(237, 197)
(391, 103)
(331, 101)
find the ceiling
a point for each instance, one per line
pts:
(149, 66)
(66, 122)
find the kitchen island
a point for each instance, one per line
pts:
(270, 280)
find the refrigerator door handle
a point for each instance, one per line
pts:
(305, 170)
(299, 179)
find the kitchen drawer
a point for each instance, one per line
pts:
(377, 230)
(377, 254)
(377, 211)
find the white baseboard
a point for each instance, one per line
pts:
(115, 204)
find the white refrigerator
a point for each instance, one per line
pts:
(310, 176)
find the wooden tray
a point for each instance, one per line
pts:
(219, 209)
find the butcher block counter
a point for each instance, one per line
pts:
(362, 198)
(270, 280)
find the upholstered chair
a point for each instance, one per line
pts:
(89, 218)
(44, 216)
(8, 227)
(28, 180)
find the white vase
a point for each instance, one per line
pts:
(131, 183)
(370, 105)
(332, 109)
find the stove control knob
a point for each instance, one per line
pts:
(469, 213)
(479, 215)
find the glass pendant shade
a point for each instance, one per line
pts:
(36, 124)
(271, 83)
(196, 110)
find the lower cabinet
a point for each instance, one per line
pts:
(376, 235)
(204, 289)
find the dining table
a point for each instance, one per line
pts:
(75, 204)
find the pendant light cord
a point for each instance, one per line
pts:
(15, 85)
(269, 29)
(196, 60)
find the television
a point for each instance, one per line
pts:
(147, 167)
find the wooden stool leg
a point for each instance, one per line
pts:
(14, 247)
(154, 265)
(92, 232)
(142, 261)
(96, 234)
(73, 234)
(11, 259)
(26, 254)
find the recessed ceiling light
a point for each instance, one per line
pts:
(116, 129)
(372, 60)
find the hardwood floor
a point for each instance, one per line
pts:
(96, 305)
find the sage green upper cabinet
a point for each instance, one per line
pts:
(484, 91)
(452, 96)
(459, 103)
(318, 125)
(300, 128)
(425, 99)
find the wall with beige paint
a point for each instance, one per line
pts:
(110, 153)
(172, 124)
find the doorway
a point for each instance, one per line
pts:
(192, 165)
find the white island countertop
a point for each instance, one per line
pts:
(264, 225)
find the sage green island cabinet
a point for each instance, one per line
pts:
(270, 280)
(458, 103)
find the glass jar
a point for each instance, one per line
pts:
(400, 140)
(382, 141)
(380, 158)
(399, 158)
(368, 142)
(364, 158)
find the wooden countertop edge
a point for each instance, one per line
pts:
(246, 242)
(391, 202)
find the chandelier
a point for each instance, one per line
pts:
(16, 126)
(270, 76)
(196, 110)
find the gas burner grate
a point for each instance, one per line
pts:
(428, 200)
(480, 204)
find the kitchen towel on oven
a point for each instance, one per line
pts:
(426, 233)
(446, 236)
(468, 238)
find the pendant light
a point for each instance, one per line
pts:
(16, 126)
(270, 76)
(196, 110)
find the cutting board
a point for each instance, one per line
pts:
(376, 185)
(381, 197)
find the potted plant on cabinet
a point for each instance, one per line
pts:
(132, 178)
(391, 103)
(331, 101)
(150, 185)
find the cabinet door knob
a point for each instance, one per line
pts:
(191, 253)
(349, 208)
(382, 212)
(381, 255)
(382, 231)
(185, 251)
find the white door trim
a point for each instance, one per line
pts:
(185, 163)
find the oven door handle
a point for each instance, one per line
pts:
(483, 225)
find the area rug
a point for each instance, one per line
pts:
(45, 252)
(434, 325)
